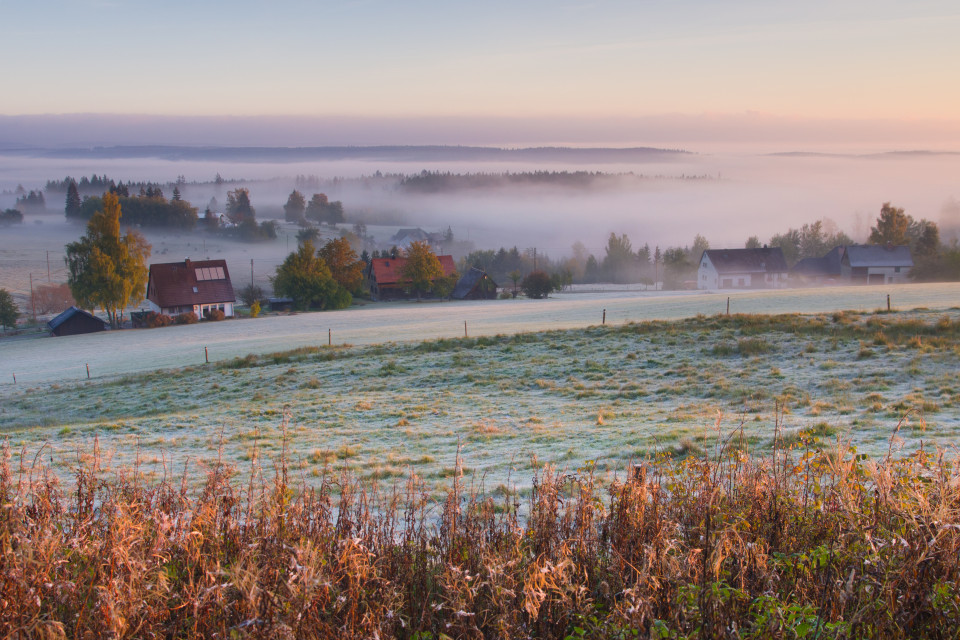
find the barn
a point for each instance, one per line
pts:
(75, 321)
(475, 285)
(385, 281)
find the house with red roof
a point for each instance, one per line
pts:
(385, 281)
(197, 287)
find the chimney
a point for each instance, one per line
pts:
(186, 261)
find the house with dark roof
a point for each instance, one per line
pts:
(75, 321)
(475, 285)
(384, 277)
(817, 271)
(405, 237)
(876, 264)
(763, 268)
(196, 287)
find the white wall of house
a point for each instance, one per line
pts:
(707, 276)
(891, 275)
(198, 309)
(709, 279)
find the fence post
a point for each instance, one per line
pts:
(206, 355)
(14, 378)
(464, 328)
(329, 337)
(728, 305)
(888, 302)
(88, 371)
(604, 321)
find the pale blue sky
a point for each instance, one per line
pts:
(814, 59)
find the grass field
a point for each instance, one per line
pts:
(602, 396)
(36, 359)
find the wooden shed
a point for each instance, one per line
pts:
(75, 321)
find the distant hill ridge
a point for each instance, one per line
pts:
(392, 152)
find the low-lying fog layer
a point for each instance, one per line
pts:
(725, 197)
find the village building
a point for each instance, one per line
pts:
(75, 321)
(384, 277)
(820, 271)
(195, 287)
(763, 268)
(403, 238)
(876, 264)
(475, 285)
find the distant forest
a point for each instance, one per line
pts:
(436, 181)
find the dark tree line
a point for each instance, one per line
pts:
(144, 210)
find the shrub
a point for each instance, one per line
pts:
(52, 298)
(214, 314)
(187, 317)
(152, 320)
(537, 284)
(255, 309)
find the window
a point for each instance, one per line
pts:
(209, 273)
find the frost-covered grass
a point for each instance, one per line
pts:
(610, 395)
(44, 359)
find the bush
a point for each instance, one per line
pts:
(537, 284)
(187, 317)
(52, 298)
(153, 320)
(255, 309)
(214, 314)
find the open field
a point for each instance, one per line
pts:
(610, 395)
(36, 359)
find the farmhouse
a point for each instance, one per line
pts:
(405, 237)
(816, 271)
(876, 264)
(475, 285)
(763, 268)
(385, 281)
(195, 287)
(75, 321)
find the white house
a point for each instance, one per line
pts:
(763, 268)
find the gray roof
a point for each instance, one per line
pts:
(69, 313)
(828, 265)
(467, 282)
(765, 260)
(878, 255)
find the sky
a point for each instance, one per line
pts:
(879, 65)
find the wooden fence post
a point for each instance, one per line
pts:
(88, 371)
(206, 355)
(604, 321)
(464, 328)
(728, 305)
(888, 302)
(329, 337)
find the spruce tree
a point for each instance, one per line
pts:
(72, 208)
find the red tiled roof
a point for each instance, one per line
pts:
(387, 271)
(175, 284)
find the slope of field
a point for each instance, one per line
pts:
(608, 395)
(46, 359)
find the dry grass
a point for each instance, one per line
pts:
(798, 543)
